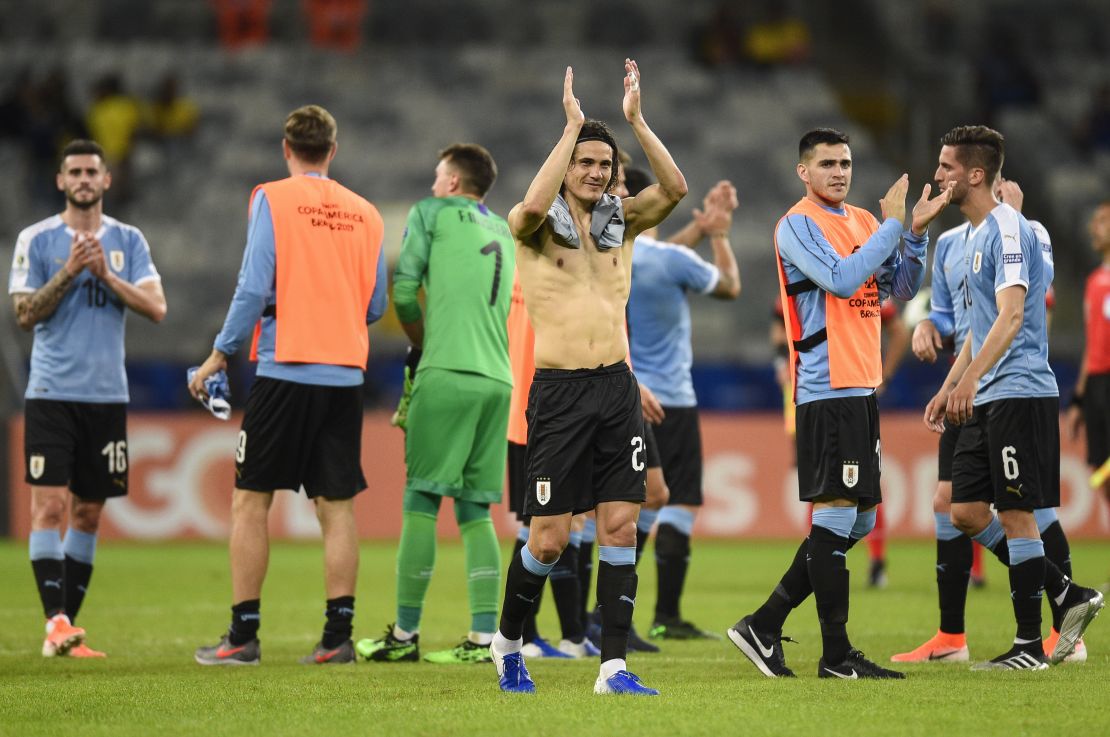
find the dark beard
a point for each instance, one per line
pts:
(82, 205)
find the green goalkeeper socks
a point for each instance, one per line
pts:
(483, 570)
(416, 557)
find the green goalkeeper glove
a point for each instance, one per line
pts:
(401, 415)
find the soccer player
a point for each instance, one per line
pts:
(585, 422)
(836, 266)
(314, 274)
(659, 326)
(73, 278)
(947, 323)
(462, 253)
(1090, 403)
(1003, 392)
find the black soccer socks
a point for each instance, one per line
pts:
(245, 618)
(616, 596)
(340, 613)
(672, 559)
(953, 572)
(828, 574)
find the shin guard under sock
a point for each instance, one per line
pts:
(828, 573)
(616, 596)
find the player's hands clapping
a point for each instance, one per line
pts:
(926, 341)
(926, 209)
(97, 265)
(631, 103)
(1008, 191)
(84, 253)
(571, 106)
(893, 204)
(717, 208)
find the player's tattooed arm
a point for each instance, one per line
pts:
(33, 308)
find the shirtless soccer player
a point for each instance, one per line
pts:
(585, 425)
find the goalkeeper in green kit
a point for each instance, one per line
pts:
(456, 420)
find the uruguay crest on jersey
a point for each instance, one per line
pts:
(543, 491)
(850, 475)
(37, 465)
(116, 260)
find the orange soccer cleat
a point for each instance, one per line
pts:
(941, 646)
(84, 651)
(1078, 655)
(61, 636)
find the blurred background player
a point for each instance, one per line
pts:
(462, 253)
(946, 327)
(73, 278)
(659, 331)
(302, 427)
(1090, 404)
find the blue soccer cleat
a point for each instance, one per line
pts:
(623, 682)
(541, 648)
(513, 674)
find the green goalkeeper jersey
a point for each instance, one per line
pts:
(464, 256)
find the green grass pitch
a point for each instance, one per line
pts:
(150, 605)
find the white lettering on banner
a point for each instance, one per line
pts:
(735, 506)
(179, 487)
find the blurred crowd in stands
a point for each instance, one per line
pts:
(41, 112)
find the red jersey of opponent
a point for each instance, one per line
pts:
(1096, 313)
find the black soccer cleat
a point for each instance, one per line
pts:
(763, 649)
(855, 665)
(1020, 657)
(676, 628)
(637, 644)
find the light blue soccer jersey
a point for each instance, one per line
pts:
(951, 263)
(78, 351)
(807, 254)
(1006, 252)
(659, 316)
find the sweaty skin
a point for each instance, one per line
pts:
(576, 297)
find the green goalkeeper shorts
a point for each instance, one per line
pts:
(455, 438)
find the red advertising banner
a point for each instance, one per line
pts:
(182, 471)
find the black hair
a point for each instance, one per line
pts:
(810, 141)
(977, 146)
(476, 166)
(636, 181)
(596, 130)
(81, 147)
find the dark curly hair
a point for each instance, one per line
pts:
(596, 130)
